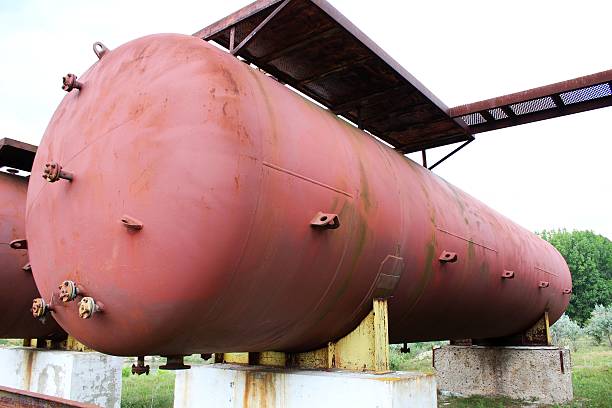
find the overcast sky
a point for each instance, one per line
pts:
(550, 174)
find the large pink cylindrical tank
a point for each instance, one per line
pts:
(16, 281)
(225, 169)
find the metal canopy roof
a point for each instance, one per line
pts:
(16, 155)
(551, 101)
(310, 46)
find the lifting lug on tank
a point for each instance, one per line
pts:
(40, 308)
(174, 363)
(508, 275)
(19, 244)
(448, 257)
(543, 284)
(27, 267)
(88, 307)
(68, 291)
(140, 368)
(567, 291)
(100, 50)
(53, 172)
(325, 221)
(69, 82)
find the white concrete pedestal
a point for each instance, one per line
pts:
(79, 376)
(539, 374)
(228, 386)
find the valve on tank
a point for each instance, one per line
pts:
(140, 368)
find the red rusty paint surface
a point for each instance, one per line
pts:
(225, 169)
(18, 287)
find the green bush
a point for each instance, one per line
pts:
(566, 333)
(599, 326)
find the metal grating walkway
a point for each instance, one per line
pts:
(547, 102)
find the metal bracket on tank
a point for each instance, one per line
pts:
(325, 221)
(508, 275)
(100, 49)
(448, 257)
(19, 244)
(543, 284)
(131, 223)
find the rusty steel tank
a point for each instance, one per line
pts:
(16, 281)
(201, 206)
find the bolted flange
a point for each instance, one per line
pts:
(88, 307)
(53, 172)
(68, 291)
(69, 82)
(40, 308)
(174, 363)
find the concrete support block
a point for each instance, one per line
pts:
(228, 386)
(540, 374)
(89, 377)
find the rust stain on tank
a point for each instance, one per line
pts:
(238, 231)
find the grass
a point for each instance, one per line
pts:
(155, 390)
(592, 375)
(591, 368)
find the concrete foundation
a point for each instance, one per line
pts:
(225, 386)
(539, 374)
(79, 376)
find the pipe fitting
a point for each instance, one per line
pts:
(88, 307)
(140, 368)
(69, 82)
(40, 308)
(68, 291)
(53, 172)
(174, 363)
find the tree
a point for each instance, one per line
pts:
(599, 326)
(565, 332)
(589, 257)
